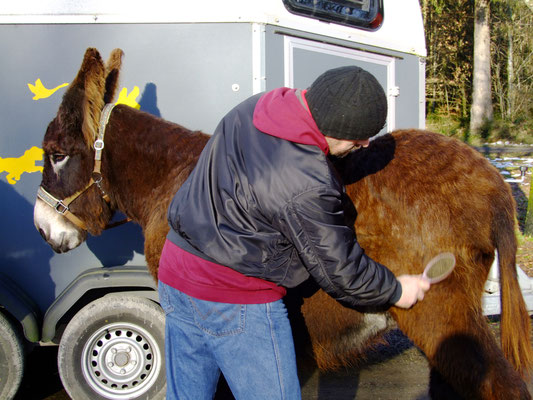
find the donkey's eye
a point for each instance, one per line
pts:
(57, 158)
(58, 161)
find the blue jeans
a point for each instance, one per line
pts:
(251, 344)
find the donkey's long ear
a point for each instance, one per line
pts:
(91, 80)
(112, 70)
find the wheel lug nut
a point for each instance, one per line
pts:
(122, 371)
(111, 365)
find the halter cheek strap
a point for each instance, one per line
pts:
(99, 142)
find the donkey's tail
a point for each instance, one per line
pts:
(515, 323)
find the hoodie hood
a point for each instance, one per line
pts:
(284, 113)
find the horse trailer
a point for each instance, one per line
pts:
(188, 63)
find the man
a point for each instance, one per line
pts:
(262, 212)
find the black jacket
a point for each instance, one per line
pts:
(270, 205)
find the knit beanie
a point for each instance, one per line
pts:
(347, 103)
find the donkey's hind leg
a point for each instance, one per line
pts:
(449, 327)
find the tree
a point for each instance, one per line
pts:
(449, 33)
(512, 45)
(481, 112)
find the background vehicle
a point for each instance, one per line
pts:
(182, 58)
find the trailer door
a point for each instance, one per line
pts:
(305, 60)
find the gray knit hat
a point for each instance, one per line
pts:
(347, 103)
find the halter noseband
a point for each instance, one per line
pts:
(62, 206)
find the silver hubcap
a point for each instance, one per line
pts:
(121, 361)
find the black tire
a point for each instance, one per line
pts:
(113, 348)
(11, 358)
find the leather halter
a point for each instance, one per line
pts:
(62, 206)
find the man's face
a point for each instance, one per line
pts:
(342, 147)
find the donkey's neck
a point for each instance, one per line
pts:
(146, 159)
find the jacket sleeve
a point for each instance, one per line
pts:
(314, 222)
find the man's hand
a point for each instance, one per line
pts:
(413, 289)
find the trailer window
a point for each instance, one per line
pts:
(366, 14)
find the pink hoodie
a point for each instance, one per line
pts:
(280, 113)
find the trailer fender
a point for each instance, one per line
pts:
(113, 279)
(19, 305)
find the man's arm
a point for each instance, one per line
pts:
(315, 223)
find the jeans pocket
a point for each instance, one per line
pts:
(164, 300)
(219, 319)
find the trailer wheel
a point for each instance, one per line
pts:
(11, 358)
(113, 348)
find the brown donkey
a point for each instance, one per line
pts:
(415, 193)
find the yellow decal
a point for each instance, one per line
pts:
(41, 92)
(129, 99)
(15, 167)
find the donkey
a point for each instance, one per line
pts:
(416, 194)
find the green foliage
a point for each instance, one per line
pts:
(518, 131)
(446, 125)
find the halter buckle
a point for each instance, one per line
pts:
(97, 178)
(98, 147)
(98, 144)
(61, 208)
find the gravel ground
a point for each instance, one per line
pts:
(396, 371)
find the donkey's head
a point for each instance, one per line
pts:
(69, 157)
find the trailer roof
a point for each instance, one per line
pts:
(402, 28)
